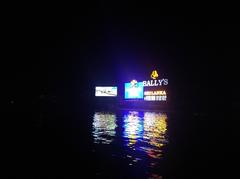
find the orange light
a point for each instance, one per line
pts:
(154, 74)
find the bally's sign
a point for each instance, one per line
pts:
(155, 81)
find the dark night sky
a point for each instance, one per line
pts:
(66, 55)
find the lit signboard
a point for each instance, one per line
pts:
(154, 74)
(161, 82)
(106, 91)
(134, 90)
(155, 95)
(155, 82)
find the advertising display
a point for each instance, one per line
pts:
(154, 81)
(155, 95)
(147, 91)
(108, 91)
(133, 90)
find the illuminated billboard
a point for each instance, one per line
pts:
(106, 91)
(155, 95)
(155, 81)
(133, 90)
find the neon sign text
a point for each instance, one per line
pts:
(153, 93)
(160, 82)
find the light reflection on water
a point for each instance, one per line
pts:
(142, 135)
(145, 132)
(104, 125)
(155, 128)
(133, 128)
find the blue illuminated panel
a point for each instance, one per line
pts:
(134, 91)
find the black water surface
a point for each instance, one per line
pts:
(118, 144)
